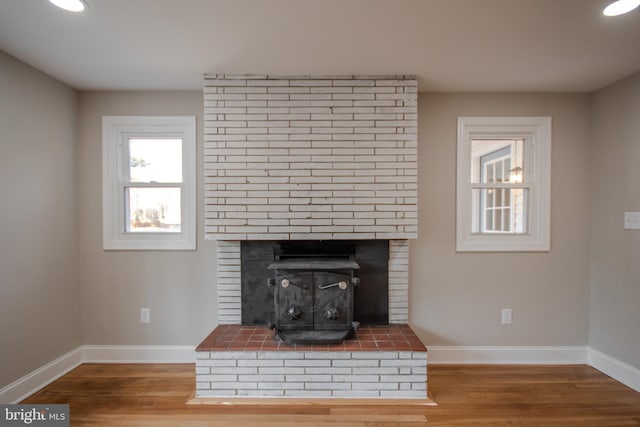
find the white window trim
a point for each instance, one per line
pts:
(116, 130)
(537, 134)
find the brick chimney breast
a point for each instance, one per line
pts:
(310, 158)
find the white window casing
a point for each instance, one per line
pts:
(117, 131)
(535, 132)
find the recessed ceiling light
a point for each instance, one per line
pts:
(70, 5)
(620, 7)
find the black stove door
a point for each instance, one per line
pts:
(333, 301)
(294, 300)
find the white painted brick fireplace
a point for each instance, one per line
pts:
(310, 158)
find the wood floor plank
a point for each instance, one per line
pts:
(155, 395)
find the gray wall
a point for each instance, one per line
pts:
(59, 289)
(615, 252)
(456, 298)
(39, 295)
(178, 286)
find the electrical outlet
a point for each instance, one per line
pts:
(145, 315)
(632, 220)
(506, 316)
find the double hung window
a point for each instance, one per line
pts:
(148, 182)
(503, 183)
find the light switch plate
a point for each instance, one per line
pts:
(506, 316)
(145, 315)
(632, 220)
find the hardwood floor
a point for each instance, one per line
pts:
(547, 396)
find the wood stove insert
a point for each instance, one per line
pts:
(313, 298)
(361, 264)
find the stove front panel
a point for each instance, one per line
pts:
(294, 300)
(333, 301)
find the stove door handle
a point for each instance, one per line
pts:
(286, 282)
(341, 284)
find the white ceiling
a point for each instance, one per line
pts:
(450, 45)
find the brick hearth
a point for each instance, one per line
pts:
(246, 361)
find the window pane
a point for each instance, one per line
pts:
(514, 170)
(155, 160)
(155, 210)
(506, 216)
(497, 160)
(489, 173)
(499, 210)
(489, 220)
(519, 207)
(499, 171)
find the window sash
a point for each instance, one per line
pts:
(517, 210)
(125, 154)
(126, 206)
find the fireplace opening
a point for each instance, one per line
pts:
(314, 292)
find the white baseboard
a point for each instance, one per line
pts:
(526, 355)
(36, 380)
(138, 354)
(560, 355)
(616, 369)
(532, 355)
(41, 377)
